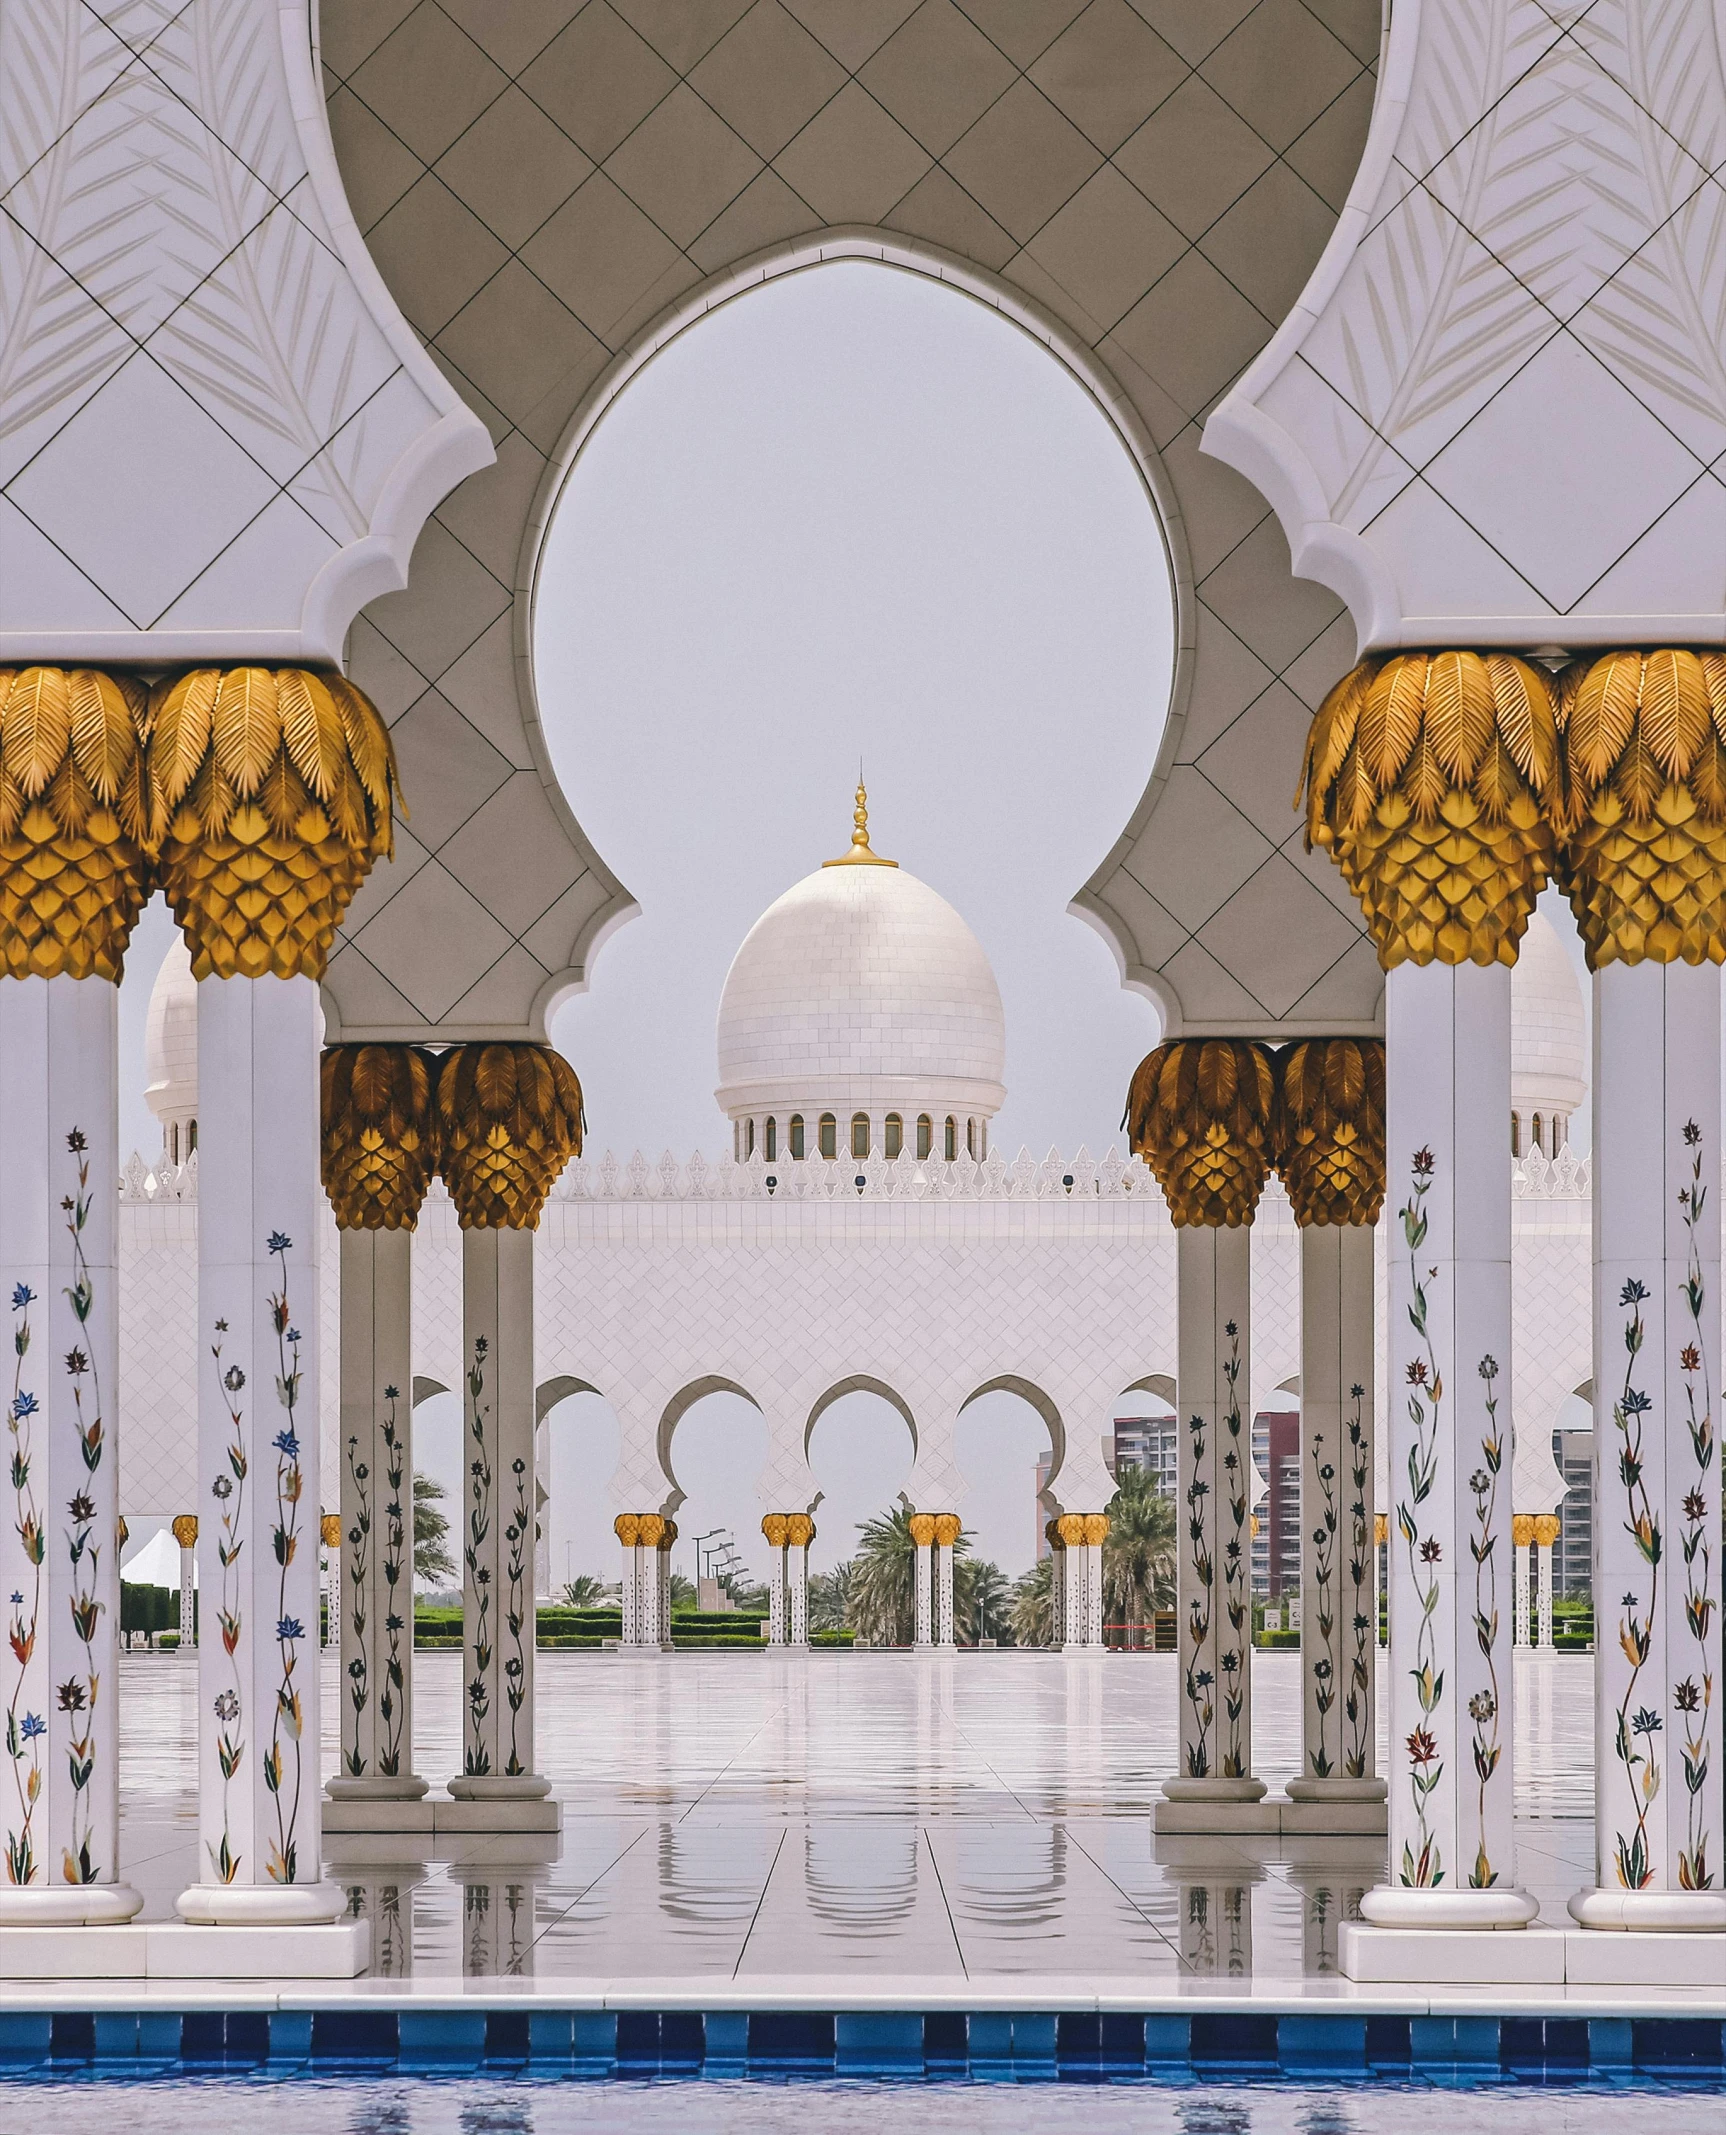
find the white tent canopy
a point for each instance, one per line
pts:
(156, 1562)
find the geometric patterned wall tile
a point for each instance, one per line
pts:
(539, 180)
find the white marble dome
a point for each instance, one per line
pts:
(1548, 1040)
(171, 1051)
(860, 995)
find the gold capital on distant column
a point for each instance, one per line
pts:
(1330, 1141)
(799, 1530)
(948, 1528)
(773, 1526)
(922, 1525)
(509, 1119)
(1202, 1113)
(1546, 1527)
(1521, 1529)
(379, 1138)
(185, 1526)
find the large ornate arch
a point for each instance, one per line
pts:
(1032, 158)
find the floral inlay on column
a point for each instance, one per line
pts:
(24, 1729)
(1357, 1705)
(1237, 1568)
(229, 1491)
(79, 1696)
(1199, 1683)
(397, 1627)
(518, 1618)
(476, 1758)
(1693, 1693)
(283, 1767)
(1424, 1869)
(1483, 1706)
(354, 1570)
(1322, 1530)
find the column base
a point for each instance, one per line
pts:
(282, 1905)
(1247, 1789)
(1642, 1912)
(499, 1786)
(491, 1803)
(177, 1950)
(68, 1905)
(1446, 1911)
(1337, 1790)
(405, 1786)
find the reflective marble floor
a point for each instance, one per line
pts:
(919, 1825)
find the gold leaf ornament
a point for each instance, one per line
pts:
(1330, 1147)
(271, 793)
(1643, 815)
(1202, 1113)
(1431, 778)
(509, 1120)
(380, 1134)
(75, 847)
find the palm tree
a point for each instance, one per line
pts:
(1139, 1554)
(982, 1599)
(830, 1598)
(1033, 1605)
(433, 1564)
(586, 1591)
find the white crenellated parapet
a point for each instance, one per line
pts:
(1053, 1177)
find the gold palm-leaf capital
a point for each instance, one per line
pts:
(1642, 736)
(1202, 1114)
(75, 843)
(1331, 1139)
(509, 1120)
(1432, 779)
(271, 793)
(380, 1134)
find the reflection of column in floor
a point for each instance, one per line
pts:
(381, 1892)
(1330, 1886)
(498, 1924)
(1217, 1928)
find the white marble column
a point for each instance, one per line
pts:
(923, 1541)
(773, 1527)
(185, 1528)
(1057, 1584)
(376, 1561)
(59, 1548)
(1094, 1585)
(947, 1531)
(1658, 1676)
(1543, 1591)
(797, 1579)
(258, 1705)
(1522, 1535)
(626, 1526)
(1452, 1787)
(1339, 1637)
(1214, 1580)
(497, 1520)
(662, 1583)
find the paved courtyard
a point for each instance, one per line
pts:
(933, 1823)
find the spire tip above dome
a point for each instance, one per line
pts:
(860, 854)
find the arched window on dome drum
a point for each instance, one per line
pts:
(925, 1135)
(1516, 1134)
(859, 1134)
(174, 1143)
(893, 1137)
(1559, 1133)
(952, 1139)
(772, 1149)
(829, 1136)
(748, 1139)
(191, 1137)
(971, 1139)
(1539, 1141)
(796, 1137)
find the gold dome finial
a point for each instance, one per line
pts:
(860, 855)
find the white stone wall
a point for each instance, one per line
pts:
(655, 1282)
